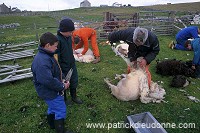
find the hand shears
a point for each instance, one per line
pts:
(67, 78)
(69, 75)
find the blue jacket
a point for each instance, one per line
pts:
(149, 50)
(46, 75)
(187, 33)
(196, 48)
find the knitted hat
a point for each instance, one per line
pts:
(66, 25)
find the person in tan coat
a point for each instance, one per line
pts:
(81, 39)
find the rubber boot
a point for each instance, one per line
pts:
(75, 98)
(50, 119)
(172, 45)
(97, 59)
(59, 126)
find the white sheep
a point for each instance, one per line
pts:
(130, 87)
(121, 49)
(135, 85)
(87, 58)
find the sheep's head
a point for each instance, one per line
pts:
(135, 65)
(123, 51)
(187, 71)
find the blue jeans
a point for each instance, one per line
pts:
(58, 107)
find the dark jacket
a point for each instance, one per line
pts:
(149, 50)
(46, 75)
(66, 58)
(65, 53)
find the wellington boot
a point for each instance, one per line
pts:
(171, 45)
(77, 100)
(59, 126)
(50, 119)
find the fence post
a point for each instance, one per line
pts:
(107, 16)
(36, 32)
(135, 19)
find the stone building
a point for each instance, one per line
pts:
(4, 9)
(85, 3)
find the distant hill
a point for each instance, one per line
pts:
(192, 7)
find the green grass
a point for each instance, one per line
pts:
(22, 111)
(99, 105)
(29, 27)
(183, 7)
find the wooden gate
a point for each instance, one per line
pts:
(159, 22)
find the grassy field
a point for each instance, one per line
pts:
(183, 7)
(22, 111)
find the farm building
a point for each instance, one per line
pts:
(85, 3)
(4, 9)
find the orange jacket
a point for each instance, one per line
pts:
(86, 34)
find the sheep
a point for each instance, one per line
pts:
(135, 85)
(174, 67)
(121, 48)
(78, 25)
(87, 58)
(179, 81)
(156, 93)
(129, 87)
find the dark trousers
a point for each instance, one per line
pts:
(73, 81)
(197, 72)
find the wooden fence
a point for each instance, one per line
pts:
(159, 22)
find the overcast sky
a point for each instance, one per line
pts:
(53, 5)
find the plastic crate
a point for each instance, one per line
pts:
(145, 123)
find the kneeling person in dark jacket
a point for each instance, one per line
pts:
(47, 79)
(142, 43)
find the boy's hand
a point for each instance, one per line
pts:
(66, 85)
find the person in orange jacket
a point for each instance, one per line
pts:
(80, 39)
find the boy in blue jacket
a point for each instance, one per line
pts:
(195, 46)
(47, 79)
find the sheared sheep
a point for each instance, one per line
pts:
(129, 88)
(135, 85)
(87, 58)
